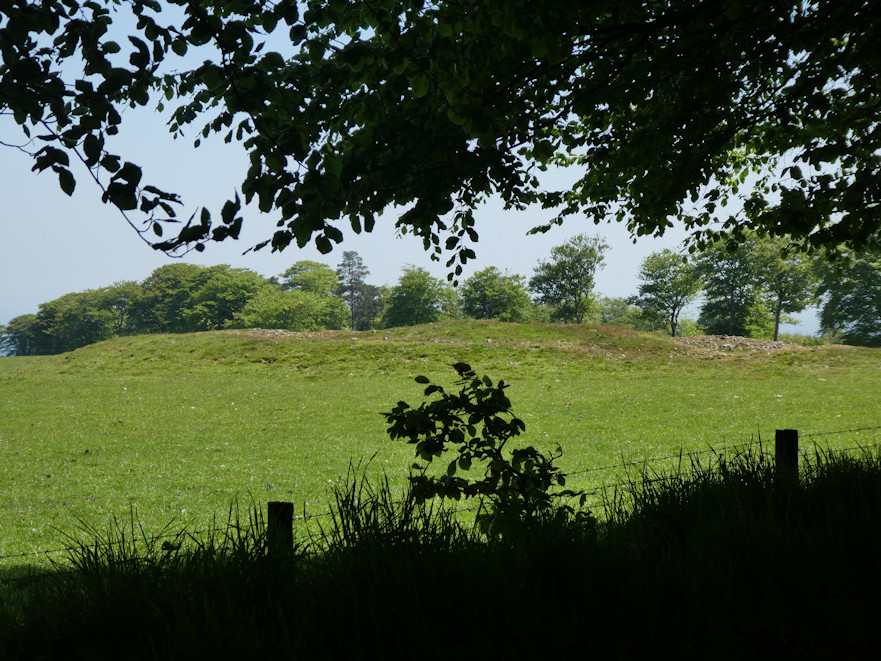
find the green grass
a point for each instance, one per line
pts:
(179, 426)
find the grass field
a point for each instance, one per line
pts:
(178, 427)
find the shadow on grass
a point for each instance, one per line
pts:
(722, 560)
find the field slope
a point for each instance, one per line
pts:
(178, 426)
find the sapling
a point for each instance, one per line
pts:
(477, 425)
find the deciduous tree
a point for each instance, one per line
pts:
(788, 277)
(620, 312)
(164, 297)
(182, 298)
(72, 321)
(419, 298)
(731, 287)
(491, 294)
(349, 109)
(20, 336)
(121, 300)
(668, 283)
(314, 277)
(566, 280)
(224, 293)
(852, 300)
(294, 310)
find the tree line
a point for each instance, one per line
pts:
(749, 286)
(746, 288)
(181, 298)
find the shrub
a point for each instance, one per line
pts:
(477, 424)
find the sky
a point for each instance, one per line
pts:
(52, 244)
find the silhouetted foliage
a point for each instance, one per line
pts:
(476, 424)
(348, 109)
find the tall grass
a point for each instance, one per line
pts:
(365, 516)
(722, 559)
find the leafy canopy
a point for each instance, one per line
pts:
(852, 300)
(295, 310)
(619, 312)
(566, 280)
(750, 288)
(491, 294)
(419, 298)
(788, 278)
(668, 283)
(349, 109)
(476, 424)
(731, 288)
(313, 277)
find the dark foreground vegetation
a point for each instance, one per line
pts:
(725, 560)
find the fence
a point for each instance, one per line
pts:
(792, 434)
(280, 516)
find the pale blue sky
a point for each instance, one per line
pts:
(53, 244)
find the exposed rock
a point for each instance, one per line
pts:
(716, 346)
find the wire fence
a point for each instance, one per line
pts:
(750, 445)
(645, 466)
(631, 463)
(838, 432)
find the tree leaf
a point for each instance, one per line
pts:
(323, 244)
(66, 181)
(419, 85)
(179, 46)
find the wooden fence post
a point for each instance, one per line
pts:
(280, 527)
(786, 451)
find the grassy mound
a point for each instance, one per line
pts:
(176, 427)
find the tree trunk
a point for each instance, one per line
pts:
(732, 310)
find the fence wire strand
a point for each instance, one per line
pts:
(842, 431)
(682, 454)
